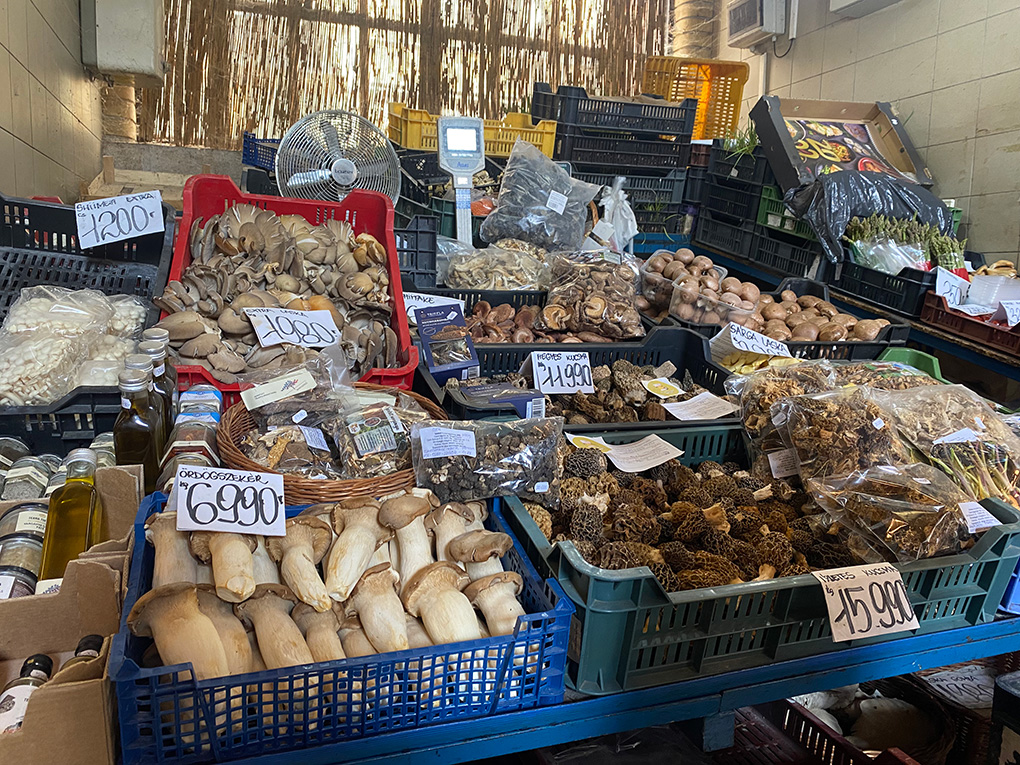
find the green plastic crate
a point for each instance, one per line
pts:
(925, 362)
(957, 217)
(628, 633)
(446, 211)
(772, 213)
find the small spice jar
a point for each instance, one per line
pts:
(27, 479)
(192, 436)
(52, 460)
(12, 450)
(16, 582)
(25, 518)
(20, 561)
(58, 479)
(102, 445)
(166, 478)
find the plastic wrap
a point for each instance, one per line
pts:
(890, 257)
(595, 292)
(70, 313)
(758, 391)
(907, 512)
(617, 212)
(112, 348)
(665, 269)
(468, 460)
(39, 367)
(333, 391)
(496, 269)
(294, 449)
(128, 316)
(832, 200)
(98, 374)
(884, 375)
(539, 202)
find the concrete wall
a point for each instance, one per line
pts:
(50, 115)
(952, 70)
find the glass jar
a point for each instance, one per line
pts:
(52, 460)
(27, 479)
(58, 479)
(25, 518)
(166, 478)
(12, 450)
(22, 551)
(102, 445)
(191, 436)
(16, 582)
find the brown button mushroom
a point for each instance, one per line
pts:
(174, 561)
(183, 634)
(446, 522)
(405, 514)
(496, 597)
(320, 631)
(264, 567)
(298, 554)
(354, 639)
(280, 641)
(230, 554)
(375, 601)
(435, 597)
(480, 551)
(356, 520)
(233, 635)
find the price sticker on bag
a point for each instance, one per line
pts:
(865, 601)
(238, 501)
(101, 221)
(562, 371)
(309, 329)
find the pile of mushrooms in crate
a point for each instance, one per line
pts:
(401, 572)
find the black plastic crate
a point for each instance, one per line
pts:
(416, 250)
(516, 298)
(694, 190)
(406, 209)
(70, 423)
(736, 239)
(687, 350)
(737, 201)
(788, 254)
(644, 188)
(747, 168)
(660, 217)
(422, 178)
(903, 292)
(700, 154)
(594, 154)
(255, 180)
(571, 105)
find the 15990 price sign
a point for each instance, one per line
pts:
(865, 601)
(216, 499)
(562, 371)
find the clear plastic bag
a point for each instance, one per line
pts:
(593, 291)
(618, 213)
(468, 460)
(882, 375)
(102, 373)
(890, 257)
(128, 316)
(39, 367)
(758, 391)
(539, 202)
(70, 313)
(907, 512)
(112, 348)
(333, 391)
(496, 269)
(293, 449)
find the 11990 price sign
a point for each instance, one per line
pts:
(562, 371)
(101, 221)
(238, 501)
(865, 601)
(309, 329)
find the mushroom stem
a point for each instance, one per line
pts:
(263, 567)
(448, 521)
(376, 601)
(435, 597)
(417, 637)
(174, 561)
(415, 549)
(355, 641)
(404, 512)
(481, 570)
(280, 640)
(232, 633)
(348, 560)
(232, 565)
(320, 631)
(306, 541)
(496, 597)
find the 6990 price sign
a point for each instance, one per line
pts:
(865, 601)
(101, 221)
(562, 371)
(309, 329)
(238, 501)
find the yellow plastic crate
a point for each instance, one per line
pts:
(416, 129)
(718, 86)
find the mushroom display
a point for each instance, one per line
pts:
(375, 601)
(480, 551)
(356, 521)
(298, 553)
(173, 559)
(495, 596)
(267, 611)
(664, 268)
(232, 565)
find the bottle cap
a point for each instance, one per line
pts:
(134, 380)
(90, 643)
(154, 349)
(38, 662)
(138, 361)
(82, 455)
(158, 334)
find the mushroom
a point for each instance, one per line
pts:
(435, 597)
(356, 520)
(298, 554)
(496, 597)
(268, 612)
(405, 514)
(375, 601)
(320, 631)
(354, 639)
(480, 552)
(446, 522)
(233, 568)
(263, 566)
(174, 562)
(480, 512)
(233, 635)
(417, 637)
(184, 325)
(183, 634)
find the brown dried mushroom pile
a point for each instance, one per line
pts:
(252, 258)
(703, 527)
(594, 296)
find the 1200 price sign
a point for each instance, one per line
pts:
(102, 221)
(865, 601)
(238, 501)
(562, 371)
(309, 329)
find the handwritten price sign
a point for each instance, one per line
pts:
(216, 499)
(562, 371)
(309, 329)
(102, 221)
(737, 338)
(865, 601)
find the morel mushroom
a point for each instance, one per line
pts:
(446, 522)
(320, 631)
(230, 554)
(375, 601)
(280, 641)
(298, 554)
(435, 597)
(480, 552)
(496, 597)
(405, 514)
(233, 635)
(174, 561)
(356, 520)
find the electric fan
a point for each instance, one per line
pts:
(327, 154)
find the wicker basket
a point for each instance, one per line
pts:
(237, 421)
(910, 689)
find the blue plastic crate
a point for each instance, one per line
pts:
(1011, 598)
(259, 152)
(167, 716)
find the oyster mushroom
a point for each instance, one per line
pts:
(496, 597)
(298, 553)
(230, 554)
(434, 595)
(405, 514)
(356, 521)
(480, 552)
(183, 325)
(375, 601)
(173, 559)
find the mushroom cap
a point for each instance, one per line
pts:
(479, 546)
(199, 543)
(137, 621)
(381, 575)
(398, 512)
(435, 517)
(356, 507)
(310, 527)
(478, 586)
(480, 509)
(303, 612)
(159, 521)
(434, 575)
(322, 509)
(281, 591)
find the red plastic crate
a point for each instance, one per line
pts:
(367, 211)
(937, 313)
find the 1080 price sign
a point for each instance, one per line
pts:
(562, 371)
(309, 329)
(864, 601)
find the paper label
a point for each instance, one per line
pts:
(309, 329)
(393, 419)
(959, 437)
(413, 300)
(278, 389)
(372, 435)
(446, 442)
(662, 387)
(541, 487)
(314, 438)
(101, 221)
(978, 519)
(971, 687)
(975, 310)
(1008, 312)
(562, 371)
(589, 442)
(238, 501)
(603, 230)
(30, 472)
(642, 455)
(557, 202)
(704, 406)
(13, 706)
(865, 601)
(535, 408)
(737, 338)
(784, 463)
(952, 287)
(48, 586)
(299, 417)
(31, 521)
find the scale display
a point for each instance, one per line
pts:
(462, 154)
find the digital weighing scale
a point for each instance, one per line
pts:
(462, 154)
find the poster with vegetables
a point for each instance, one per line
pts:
(828, 147)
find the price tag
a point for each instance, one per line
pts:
(589, 442)
(784, 463)
(978, 519)
(446, 442)
(952, 287)
(309, 329)
(704, 406)
(974, 310)
(737, 338)
(1008, 312)
(278, 389)
(603, 231)
(961, 436)
(865, 601)
(557, 202)
(562, 371)
(101, 221)
(970, 686)
(662, 387)
(217, 499)
(642, 455)
(413, 300)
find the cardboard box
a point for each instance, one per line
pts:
(446, 344)
(860, 136)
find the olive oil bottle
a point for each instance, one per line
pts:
(137, 429)
(74, 521)
(156, 399)
(164, 377)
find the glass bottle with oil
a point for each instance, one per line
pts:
(75, 519)
(136, 431)
(144, 363)
(164, 379)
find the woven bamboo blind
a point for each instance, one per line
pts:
(259, 65)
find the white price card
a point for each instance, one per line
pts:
(784, 463)
(277, 389)
(974, 310)
(239, 501)
(737, 338)
(562, 371)
(1008, 312)
(952, 287)
(969, 686)
(978, 519)
(865, 601)
(704, 406)
(309, 329)
(446, 442)
(642, 455)
(662, 387)
(414, 300)
(101, 221)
